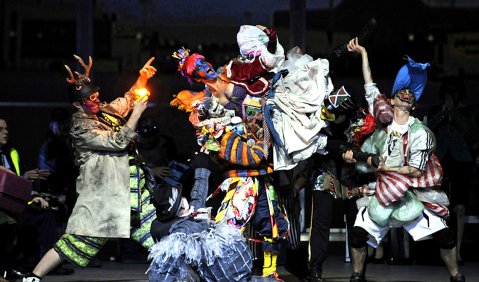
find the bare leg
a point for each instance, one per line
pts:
(358, 256)
(449, 256)
(460, 213)
(49, 261)
(379, 251)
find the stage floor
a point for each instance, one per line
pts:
(335, 270)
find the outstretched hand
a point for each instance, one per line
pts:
(354, 47)
(148, 71)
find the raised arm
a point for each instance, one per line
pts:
(203, 164)
(354, 47)
(378, 104)
(123, 105)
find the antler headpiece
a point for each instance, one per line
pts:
(80, 86)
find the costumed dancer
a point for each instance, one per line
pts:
(348, 126)
(190, 246)
(294, 114)
(112, 200)
(405, 193)
(240, 84)
(293, 110)
(250, 196)
(292, 117)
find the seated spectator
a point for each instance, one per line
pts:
(56, 155)
(37, 217)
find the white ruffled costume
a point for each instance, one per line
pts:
(298, 98)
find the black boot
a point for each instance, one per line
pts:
(316, 276)
(363, 36)
(313, 276)
(458, 278)
(357, 277)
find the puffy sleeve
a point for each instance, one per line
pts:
(235, 150)
(122, 105)
(245, 71)
(379, 105)
(93, 136)
(372, 92)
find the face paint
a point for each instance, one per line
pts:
(402, 105)
(406, 96)
(91, 106)
(204, 70)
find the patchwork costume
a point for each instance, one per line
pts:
(112, 199)
(415, 203)
(244, 150)
(193, 246)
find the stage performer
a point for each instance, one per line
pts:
(409, 174)
(112, 199)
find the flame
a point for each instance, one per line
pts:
(141, 92)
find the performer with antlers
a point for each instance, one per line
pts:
(111, 202)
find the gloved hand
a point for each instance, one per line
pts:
(202, 160)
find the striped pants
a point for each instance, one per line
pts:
(80, 250)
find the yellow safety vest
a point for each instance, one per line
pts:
(16, 160)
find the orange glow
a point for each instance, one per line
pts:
(140, 92)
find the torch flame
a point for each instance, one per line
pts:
(141, 92)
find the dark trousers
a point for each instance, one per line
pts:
(8, 234)
(262, 221)
(321, 218)
(37, 234)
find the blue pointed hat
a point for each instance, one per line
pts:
(412, 76)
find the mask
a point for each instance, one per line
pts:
(204, 70)
(91, 107)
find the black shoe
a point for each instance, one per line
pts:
(375, 260)
(316, 276)
(363, 36)
(357, 277)
(12, 274)
(60, 270)
(458, 278)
